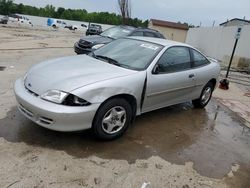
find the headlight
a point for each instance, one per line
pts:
(55, 96)
(97, 46)
(72, 100)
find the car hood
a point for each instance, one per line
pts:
(96, 39)
(70, 73)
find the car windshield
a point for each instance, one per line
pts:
(116, 32)
(128, 53)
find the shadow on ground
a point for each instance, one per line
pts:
(212, 138)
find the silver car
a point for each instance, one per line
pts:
(107, 89)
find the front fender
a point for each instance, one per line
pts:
(101, 91)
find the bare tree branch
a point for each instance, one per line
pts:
(125, 10)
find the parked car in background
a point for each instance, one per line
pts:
(4, 20)
(16, 18)
(71, 27)
(55, 23)
(89, 43)
(83, 25)
(94, 29)
(106, 89)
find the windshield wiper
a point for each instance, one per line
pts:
(110, 60)
(110, 37)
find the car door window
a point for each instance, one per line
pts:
(199, 59)
(174, 59)
(137, 33)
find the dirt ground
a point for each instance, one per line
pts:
(176, 146)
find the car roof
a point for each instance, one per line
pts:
(160, 41)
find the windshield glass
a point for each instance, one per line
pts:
(129, 53)
(116, 32)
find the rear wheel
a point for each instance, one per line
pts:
(112, 119)
(205, 96)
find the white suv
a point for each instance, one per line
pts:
(19, 19)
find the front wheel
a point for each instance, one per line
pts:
(112, 119)
(205, 96)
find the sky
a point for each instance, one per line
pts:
(195, 12)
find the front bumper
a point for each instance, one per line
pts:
(53, 116)
(79, 50)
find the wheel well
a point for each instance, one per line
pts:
(129, 98)
(213, 81)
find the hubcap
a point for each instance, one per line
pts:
(114, 120)
(206, 95)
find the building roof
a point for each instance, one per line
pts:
(235, 19)
(174, 25)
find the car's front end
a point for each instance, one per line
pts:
(61, 94)
(83, 47)
(4, 20)
(51, 115)
(90, 43)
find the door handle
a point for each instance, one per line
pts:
(191, 75)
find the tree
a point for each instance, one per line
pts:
(49, 10)
(18, 8)
(60, 11)
(125, 10)
(6, 6)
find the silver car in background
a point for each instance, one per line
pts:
(108, 88)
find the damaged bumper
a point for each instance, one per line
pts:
(53, 116)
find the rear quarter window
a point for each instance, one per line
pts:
(199, 59)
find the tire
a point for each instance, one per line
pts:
(112, 119)
(54, 26)
(205, 96)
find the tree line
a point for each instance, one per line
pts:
(9, 7)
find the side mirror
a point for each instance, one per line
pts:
(158, 69)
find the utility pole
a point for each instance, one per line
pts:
(224, 83)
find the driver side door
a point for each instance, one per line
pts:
(172, 81)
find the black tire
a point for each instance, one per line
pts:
(98, 126)
(54, 26)
(200, 103)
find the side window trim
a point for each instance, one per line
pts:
(191, 67)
